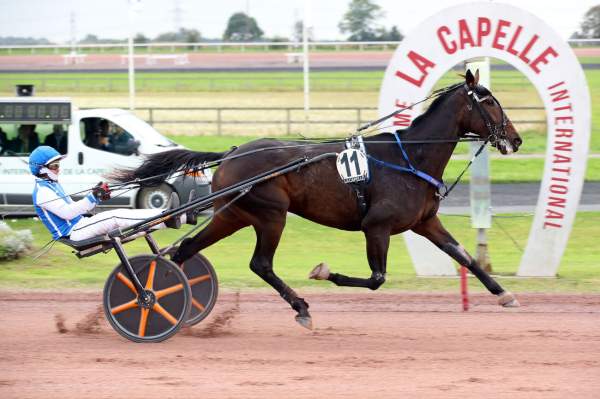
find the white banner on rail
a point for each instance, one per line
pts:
(524, 41)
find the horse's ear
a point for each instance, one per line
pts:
(476, 77)
(470, 79)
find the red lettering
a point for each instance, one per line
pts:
(564, 132)
(549, 224)
(422, 65)
(559, 189)
(554, 86)
(560, 158)
(510, 47)
(543, 59)
(523, 55)
(500, 34)
(560, 95)
(550, 214)
(563, 119)
(464, 34)
(557, 202)
(484, 27)
(563, 146)
(563, 170)
(449, 47)
(402, 119)
(565, 108)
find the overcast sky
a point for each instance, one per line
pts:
(109, 18)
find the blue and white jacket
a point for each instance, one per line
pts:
(57, 210)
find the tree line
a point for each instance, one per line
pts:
(360, 23)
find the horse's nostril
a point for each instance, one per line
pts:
(517, 142)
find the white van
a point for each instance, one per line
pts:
(96, 142)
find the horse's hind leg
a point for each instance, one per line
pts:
(217, 229)
(433, 230)
(378, 242)
(268, 234)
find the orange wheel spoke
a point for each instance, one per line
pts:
(198, 305)
(121, 308)
(167, 291)
(121, 277)
(163, 312)
(143, 322)
(151, 273)
(199, 279)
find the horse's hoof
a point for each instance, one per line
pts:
(305, 321)
(508, 300)
(320, 272)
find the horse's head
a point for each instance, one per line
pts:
(484, 116)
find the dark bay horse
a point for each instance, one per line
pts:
(397, 201)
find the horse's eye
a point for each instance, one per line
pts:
(489, 101)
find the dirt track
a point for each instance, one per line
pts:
(383, 345)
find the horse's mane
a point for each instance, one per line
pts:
(443, 94)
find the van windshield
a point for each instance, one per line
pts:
(142, 131)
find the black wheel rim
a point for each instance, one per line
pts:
(203, 282)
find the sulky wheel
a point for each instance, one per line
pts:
(166, 309)
(204, 284)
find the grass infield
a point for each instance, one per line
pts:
(305, 244)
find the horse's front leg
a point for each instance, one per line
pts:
(378, 242)
(433, 230)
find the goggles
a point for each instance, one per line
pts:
(53, 166)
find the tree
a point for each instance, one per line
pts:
(183, 35)
(298, 32)
(394, 35)
(140, 38)
(590, 27)
(242, 28)
(298, 29)
(90, 39)
(360, 20)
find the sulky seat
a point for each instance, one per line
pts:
(85, 244)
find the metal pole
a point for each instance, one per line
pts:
(131, 73)
(306, 66)
(464, 288)
(480, 191)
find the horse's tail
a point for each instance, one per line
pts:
(162, 164)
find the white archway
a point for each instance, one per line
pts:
(521, 39)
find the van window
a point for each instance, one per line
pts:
(105, 135)
(22, 139)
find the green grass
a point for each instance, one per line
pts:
(236, 81)
(305, 244)
(194, 81)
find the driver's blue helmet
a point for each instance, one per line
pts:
(42, 156)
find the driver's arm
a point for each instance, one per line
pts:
(50, 201)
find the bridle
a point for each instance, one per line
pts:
(497, 131)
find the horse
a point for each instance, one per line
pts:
(396, 201)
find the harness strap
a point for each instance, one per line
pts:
(360, 186)
(410, 169)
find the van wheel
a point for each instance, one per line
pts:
(154, 197)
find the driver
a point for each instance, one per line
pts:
(64, 217)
